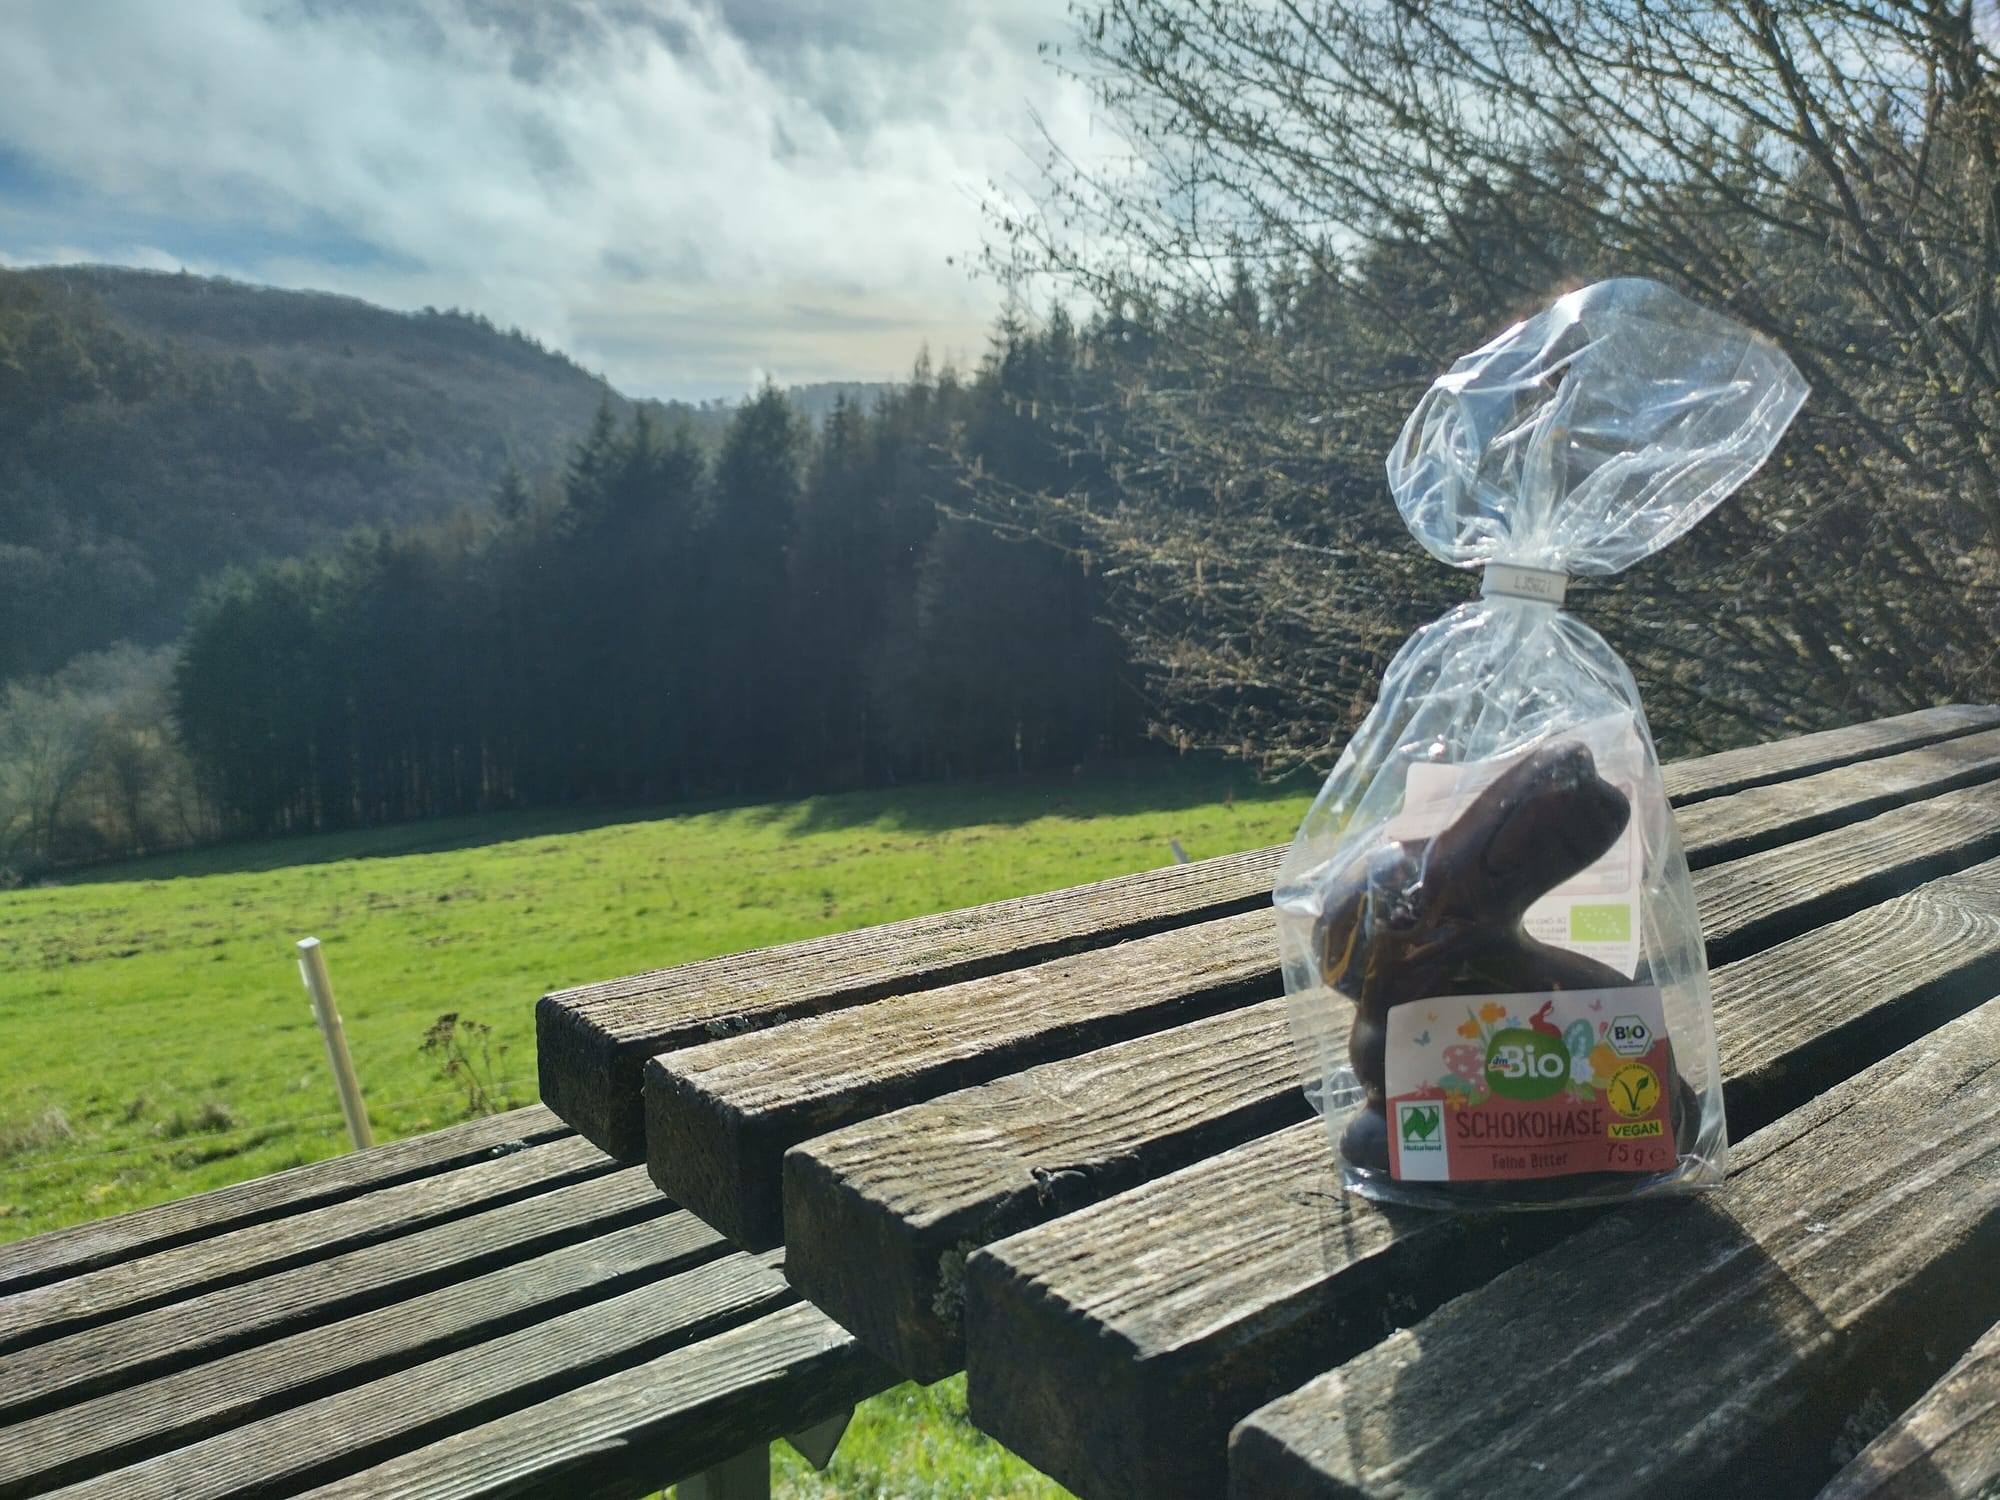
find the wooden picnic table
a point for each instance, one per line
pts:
(1060, 1142)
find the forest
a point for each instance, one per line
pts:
(1160, 522)
(677, 611)
(803, 612)
(156, 428)
(159, 430)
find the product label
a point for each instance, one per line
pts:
(1596, 912)
(1543, 1085)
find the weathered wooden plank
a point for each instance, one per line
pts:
(1790, 1018)
(593, 1041)
(125, 1426)
(1945, 1447)
(1115, 1347)
(655, 1424)
(1759, 899)
(111, 1355)
(1724, 1343)
(1697, 779)
(1766, 816)
(879, 1216)
(47, 1311)
(103, 1242)
(367, 1424)
(721, 1116)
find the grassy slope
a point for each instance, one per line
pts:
(160, 1043)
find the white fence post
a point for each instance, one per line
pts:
(747, 1476)
(312, 968)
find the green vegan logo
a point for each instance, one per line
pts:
(1634, 1090)
(1422, 1127)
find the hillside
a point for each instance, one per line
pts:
(156, 428)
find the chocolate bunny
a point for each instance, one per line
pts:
(1422, 919)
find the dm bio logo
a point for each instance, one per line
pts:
(1421, 1126)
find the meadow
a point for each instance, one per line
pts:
(159, 1042)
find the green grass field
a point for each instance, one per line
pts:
(159, 1041)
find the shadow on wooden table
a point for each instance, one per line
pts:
(1750, 1342)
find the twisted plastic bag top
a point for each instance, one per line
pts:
(1593, 434)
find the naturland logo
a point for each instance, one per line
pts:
(1421, 1126)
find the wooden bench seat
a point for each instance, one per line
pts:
(102, 1242)
(333, 1325)
(658, 1422)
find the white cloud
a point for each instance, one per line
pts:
(669, 190)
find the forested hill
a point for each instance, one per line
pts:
(508, 376)
(155, 428)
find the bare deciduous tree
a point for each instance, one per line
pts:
(1323, 201)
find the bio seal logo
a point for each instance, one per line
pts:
(1421, 1126)
(1630, 1036)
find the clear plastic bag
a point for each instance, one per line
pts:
(1490, 942)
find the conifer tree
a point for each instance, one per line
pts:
(748, 666)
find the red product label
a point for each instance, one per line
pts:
(1491, 1087)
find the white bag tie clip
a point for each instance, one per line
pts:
(1511, 582)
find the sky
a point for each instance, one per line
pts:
(685, 195)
